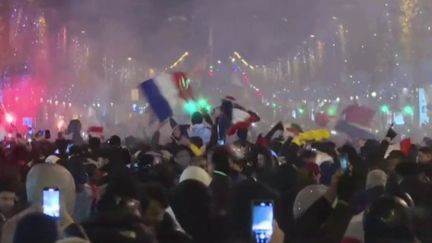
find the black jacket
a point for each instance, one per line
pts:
(117, 226)
(321, 223)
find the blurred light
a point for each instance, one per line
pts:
(60, 124)
(219, 61)
(408, 110)
(332, 111)
(9, 118)
(190, 107)
(179, 60)
(374, 94)
(301, 110)
(385, 109)
(129, 58)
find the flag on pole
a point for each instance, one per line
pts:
(95, 131)
(353, 131)
(165, 91)
(359, 115)
(355, 122)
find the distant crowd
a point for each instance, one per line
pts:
(198, 184)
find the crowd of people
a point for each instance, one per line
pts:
(198, 184)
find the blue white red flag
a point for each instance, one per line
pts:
(165, 91)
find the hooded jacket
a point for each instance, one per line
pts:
(39, 177)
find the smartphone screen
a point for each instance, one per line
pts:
(343, 160)
(51, 202)
(262, 221)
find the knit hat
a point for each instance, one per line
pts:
(376, 178)
(196, 173)
(52, 159)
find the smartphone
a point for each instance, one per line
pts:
(344, 164)
(221, 142)
(51, 202)
(262, 221)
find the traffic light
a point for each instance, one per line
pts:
(385, 109)
(332, 110)
(408, 110)
(301, 111)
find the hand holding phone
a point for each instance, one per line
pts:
(262, 221)
(344, 163)
(51, 202)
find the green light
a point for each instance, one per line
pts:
(301, 110)
(408, 110)
(385, 109)
(190, 107)
(332, 111)
(202, 102)
(208, 108)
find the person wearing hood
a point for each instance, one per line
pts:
(48, 176)
(191, 205)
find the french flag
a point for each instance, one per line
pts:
(356, 121)
(165, 92)
(95, 131)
